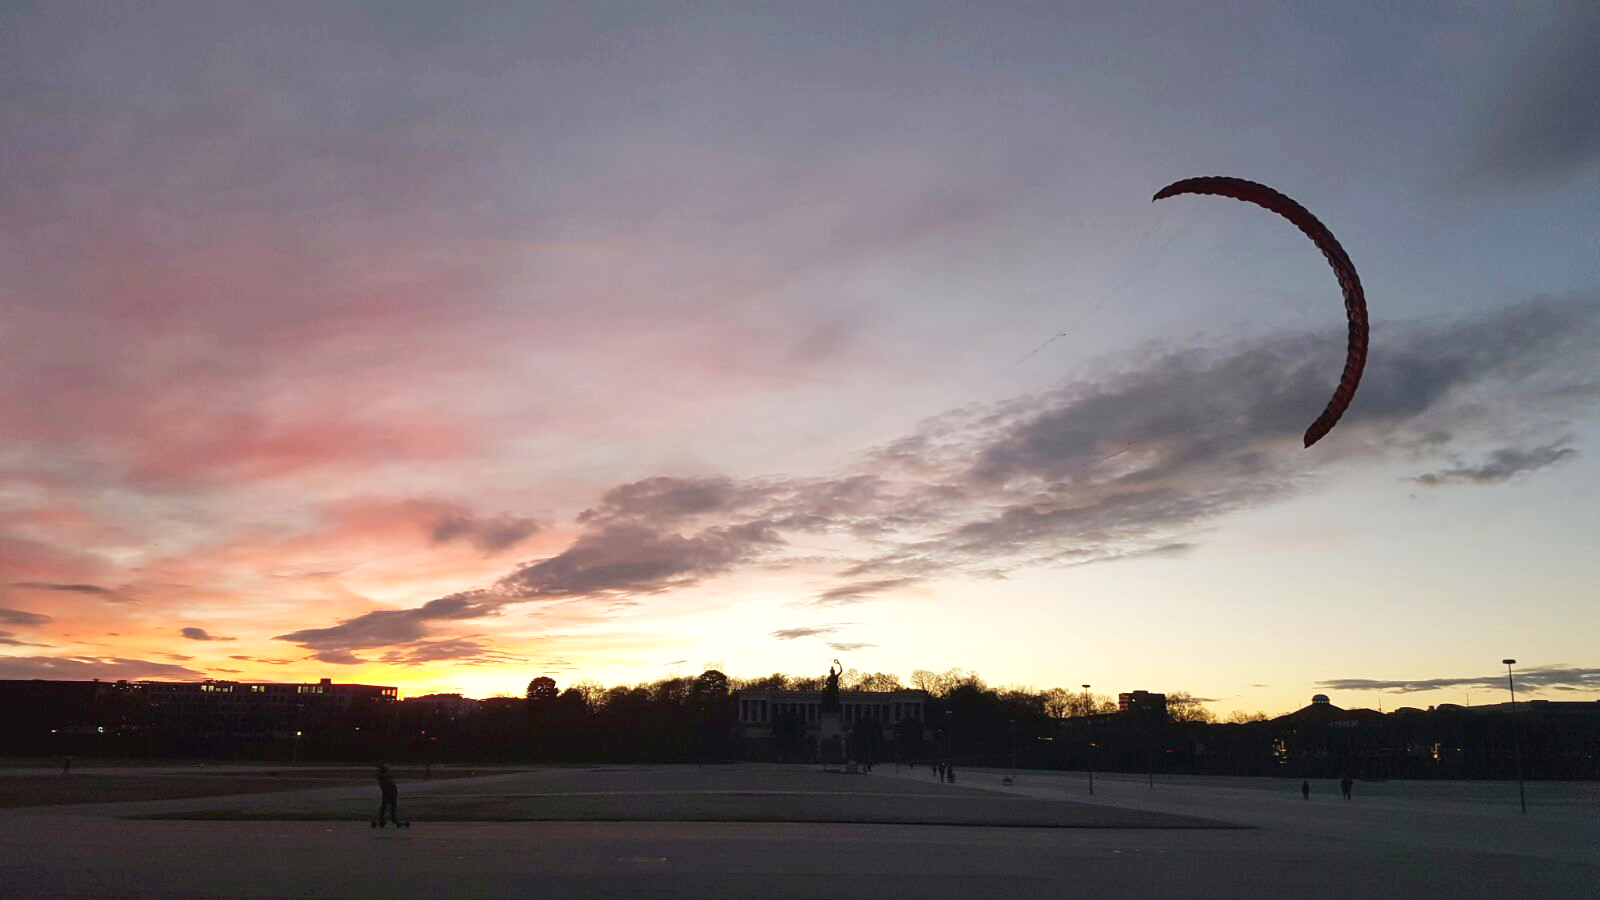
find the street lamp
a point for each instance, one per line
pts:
(1516, 733)
(1088, 724)
(948, 737)
(1013, 748)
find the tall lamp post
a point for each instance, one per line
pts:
(1013, 748)
(1088, 724)
(1516, 733)
(948, 737)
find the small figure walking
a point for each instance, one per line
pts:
(391, 794)
(1305, 790)
(1345, 784)
(66, 764)
(950, 774)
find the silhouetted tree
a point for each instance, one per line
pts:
(542, 690)
(871, 681)
(1185, 707)
(777, 681)
(1057, 703)
(710, 686)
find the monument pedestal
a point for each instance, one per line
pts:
(830, 739)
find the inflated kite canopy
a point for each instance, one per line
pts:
(1355, 302)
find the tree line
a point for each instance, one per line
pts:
(683, 719)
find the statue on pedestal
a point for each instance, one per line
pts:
(830, 694)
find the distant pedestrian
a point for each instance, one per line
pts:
(1345, 784)
(391, 795)
(66, 764)
(1305, 790)
(952, 773)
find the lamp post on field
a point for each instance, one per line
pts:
(1088, 724)
(948, 737)
(1013, 748)
(1516, 733)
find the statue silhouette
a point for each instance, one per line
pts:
(830, 694)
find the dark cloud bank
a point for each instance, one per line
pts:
(1544, 130)
(93, 590)
(22, 618)
(1127, 465)
(491, 535)
(1502, 465)
(85, 668)
(1533, 680)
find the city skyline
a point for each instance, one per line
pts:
(446, 349)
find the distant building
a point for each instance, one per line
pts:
(259, 708)
(1142, 703)
(453, 705)
(768, 719)
(45, 716)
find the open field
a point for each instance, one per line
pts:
(32, 787)
(733, 831)
(714, 794)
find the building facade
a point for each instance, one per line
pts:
(1142, 703)
(265, 709)
(788, 725)
(221, 718)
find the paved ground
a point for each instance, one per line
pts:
(1372, 847)
(1562, 822)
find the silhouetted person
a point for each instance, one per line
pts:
(66, 764)
(1345, 784)
(391, 794)
(950, 774)
(1305, 790)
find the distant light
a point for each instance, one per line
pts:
(101, 729)
(298, 733)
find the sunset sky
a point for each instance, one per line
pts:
(444, 346)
